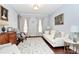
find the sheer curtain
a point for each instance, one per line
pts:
(40, 26)
(25, 26)
(21, 23)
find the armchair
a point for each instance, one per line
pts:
(20, 37)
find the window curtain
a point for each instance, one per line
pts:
(21, 23)
(40, 26)
(25, 26)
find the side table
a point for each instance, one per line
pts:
(67, 43)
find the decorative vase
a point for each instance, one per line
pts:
(3, 29)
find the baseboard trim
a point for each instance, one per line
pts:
(33, 36)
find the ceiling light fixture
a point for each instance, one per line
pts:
(35, 7)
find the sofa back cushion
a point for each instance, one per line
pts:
(46, 32)
(57, 34)
(52, 33)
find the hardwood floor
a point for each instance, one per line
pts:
(59, 50)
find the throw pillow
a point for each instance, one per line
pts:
(57, 34)
(46, 32)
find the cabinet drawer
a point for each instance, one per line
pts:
(3, 39)
(12, 38)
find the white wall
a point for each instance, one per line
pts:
(12, 17)
(71, 17)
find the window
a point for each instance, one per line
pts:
(25, 26)
(40, 26)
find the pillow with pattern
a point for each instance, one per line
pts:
(46, 32)
(57, 34)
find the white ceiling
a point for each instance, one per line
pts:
(28, 8)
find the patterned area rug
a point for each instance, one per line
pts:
(34, 46)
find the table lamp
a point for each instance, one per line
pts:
(2, 24)
(75, 32)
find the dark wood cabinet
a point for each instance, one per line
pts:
(12, 37)
(8, 37)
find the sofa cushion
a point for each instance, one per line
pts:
(52, 34)
(52, 31)
(46, 32)
(57, 34)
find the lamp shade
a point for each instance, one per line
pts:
(74, 29)
(3, 23)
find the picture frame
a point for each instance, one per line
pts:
(4, 13)
(59, 20)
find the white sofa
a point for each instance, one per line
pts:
(54, 41)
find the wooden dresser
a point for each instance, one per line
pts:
(8, 37)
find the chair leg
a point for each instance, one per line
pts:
(22, 40)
